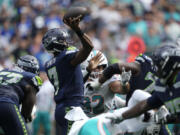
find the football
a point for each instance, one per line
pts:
(75, 12)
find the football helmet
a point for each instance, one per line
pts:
(104, 63)
(56, 40)
(29, 64)
(166, 60)
(86, 62)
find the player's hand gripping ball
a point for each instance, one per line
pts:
(76, 12)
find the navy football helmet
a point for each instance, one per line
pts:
(166, 60)
(56, 40)
(29, 64)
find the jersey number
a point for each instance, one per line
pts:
(52, 73)
(90, 101)
(9, 78)
(173, 105)
(150, 87)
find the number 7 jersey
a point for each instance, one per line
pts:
(66, 79)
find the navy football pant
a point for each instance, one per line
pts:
(11, 120)
(164, 130)
(60, 113)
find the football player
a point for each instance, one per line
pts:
(18, 86)
(101, 125)
(64, 70)
(97, 101)
(167, 90)
(95, 106)
(143, 77)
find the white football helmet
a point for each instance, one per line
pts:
(93, 53)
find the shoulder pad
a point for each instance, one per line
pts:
(71, 49)
(143, 58)
(37, 81)
(140, 58)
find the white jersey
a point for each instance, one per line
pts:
(118, 102)
(99, 101)
(104, 125)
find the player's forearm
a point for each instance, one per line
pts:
(28, 102)
(84, 51)
(86, 42)
(137, 110)
(117, 69)
(27, 107)
(109, 72)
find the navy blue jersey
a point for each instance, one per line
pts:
(145, 79)
(167, 95)
(66, 79)
(13, 82)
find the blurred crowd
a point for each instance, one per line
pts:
(119, 28)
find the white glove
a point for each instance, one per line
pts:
(161, 115)
(115, 117)
(94, 84)
(126, 76)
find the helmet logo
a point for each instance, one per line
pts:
(65, 34)
(54, 38)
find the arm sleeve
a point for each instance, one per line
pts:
(154, 101)
(111, 70)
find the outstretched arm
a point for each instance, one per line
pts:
(85, 40)
(117, 68)
(137, 110)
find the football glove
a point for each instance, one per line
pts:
(126, 76)
(115, 117)
(161, 115)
